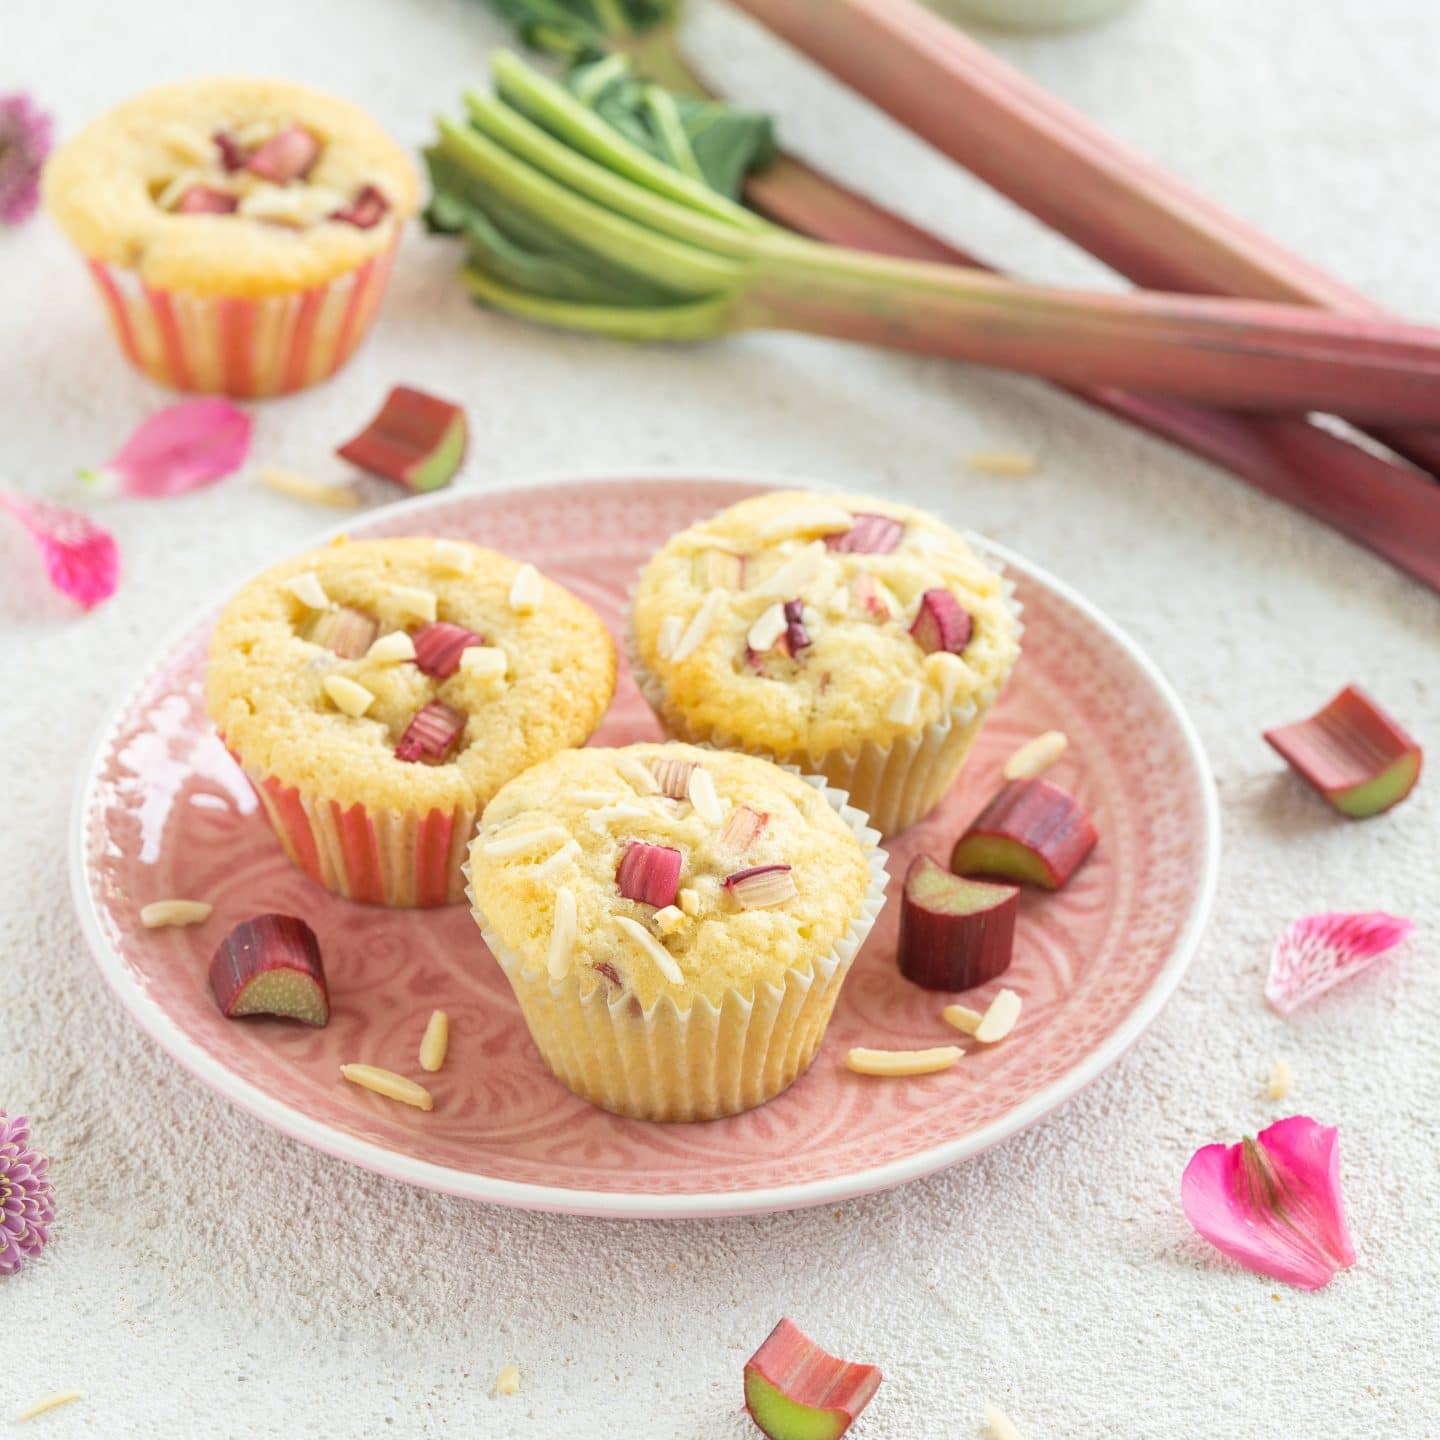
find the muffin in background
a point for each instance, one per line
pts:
(857, 639)
(378, 693)
(240, 231)
(676, 922)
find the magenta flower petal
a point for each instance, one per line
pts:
(1273, 1203)
(1322, 950)
(82, 559)
(25, 134)
(27, 1205)
(179, 448)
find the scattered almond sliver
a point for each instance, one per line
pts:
(526, 590)
(671, 629)
(689, 901)
(353, 698)
(175, 912)
(641, 776)
(454, 557)
(701, 791)
(664, 961)
(669, 919)
(302, 487)
(47, 1402)
(999, 1426)
(435, 1042)
(1280, 1080)
(526, 840)
(507, 1382)
(999, 1018)
(1035, 756)
(807, 520)
(389, 1084)
(396, 646)
(699, 627)
(562, 933)
(903, 1062)
(962, 1017)
(414, 602)
(308, 590)
(485, 662)
(1001, 462)
(945, 672)
(904, 707)
(797, 572)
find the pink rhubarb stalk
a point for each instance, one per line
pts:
(432, 734)
(80, 557)
(178, 449)
(1272, 1203)
(1320, 951)
(649, 874)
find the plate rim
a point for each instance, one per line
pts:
(155, 1021)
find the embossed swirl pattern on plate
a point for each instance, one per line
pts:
(172, 816)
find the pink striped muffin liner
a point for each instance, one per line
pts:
(406, 861)
(239, 347)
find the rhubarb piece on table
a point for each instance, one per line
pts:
(649, 874)
(416, 440)
(869, 535)
(205, 200)
(366, 210)
(439, 646)
(942, 623)
(1320, 951)
(762, 886)
(1032, 831)
(284, 157)
(348, 632)
(432, 734)
(954, 933)
(794, 1390)
(270, 965)
(1353, 753)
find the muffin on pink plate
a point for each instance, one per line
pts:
(240, 232)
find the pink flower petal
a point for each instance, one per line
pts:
(179, 449)
(82, 559)
(25, 135)
(1273, 1203)
(1322, 950)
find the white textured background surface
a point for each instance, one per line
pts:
(209, 1277)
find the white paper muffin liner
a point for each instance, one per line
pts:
(896, 784)
(705, 1062)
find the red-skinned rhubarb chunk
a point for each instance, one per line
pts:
(1032, 831)
(942, 623)
(794, 1390)
(232, 152)
(416, 440)
(285, 157)
(205, 200)
(649, 874)
(762, 886)
(742, 830)
(348, 632)
(1352, 752)
(954, 933)
(673, 776)
(439, 646)
(796, 636)
(869, 535)
(717, 569)
(432, 734)
(366, 210)
(270, 965)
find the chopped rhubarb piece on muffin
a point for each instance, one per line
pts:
(942, 623)
(206, 200)
(366, 210)
(290, 155)
(432, 734)
(439, 646)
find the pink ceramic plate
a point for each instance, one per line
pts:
(164, 812)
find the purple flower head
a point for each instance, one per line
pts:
(26, 1203)
(25, 131)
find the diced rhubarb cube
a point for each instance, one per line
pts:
(1359, 758)
(942, 623)
(204, 200)
(794, 1390)
(762, 886)
(741, 830)
(865, 593)
(439, 646)
(1031, 831)
(232, 153)
(416, 440)
(649, 874)
(348, 632)
(869, 535)
(271, 965)
(285, 157)
(673, 776)
(432, 734)
(366, 210)
(716, 569)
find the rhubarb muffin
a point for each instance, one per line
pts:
(676, 922)
(854, 638)
(240, 231)
(379, 692)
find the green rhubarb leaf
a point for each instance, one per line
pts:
(576, 28)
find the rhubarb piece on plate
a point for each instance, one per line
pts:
(416, 440)
(649, 874)
(869, 535)
(432, 734)
(954, 933)
(1032, 831)
(1353, 753)
(439, 646)
(942, 623)
(794, 1390)
(270, 965)
(288, 156)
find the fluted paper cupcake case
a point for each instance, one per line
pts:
(394, 858)
(242, 347)
(895, 784)
(705, 1062)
